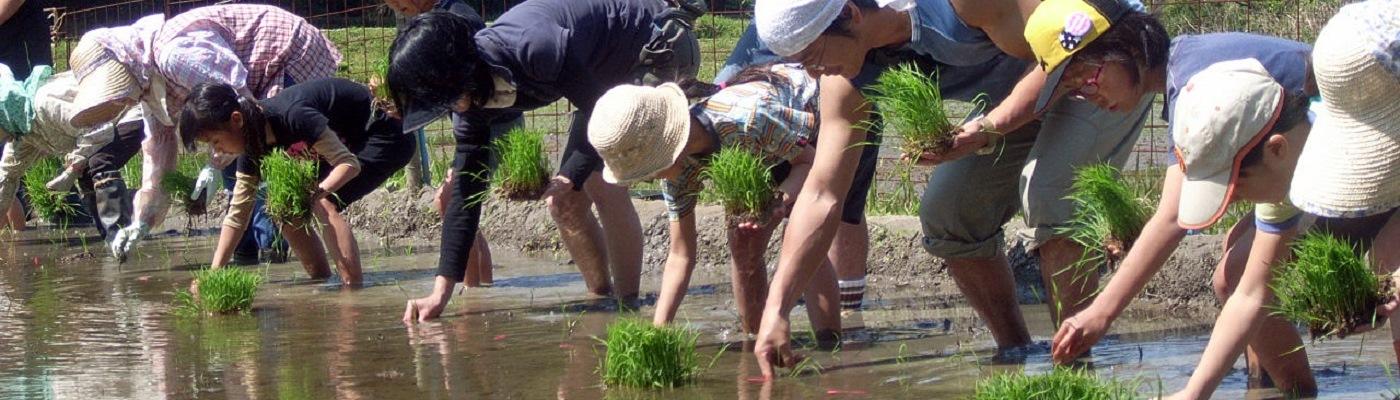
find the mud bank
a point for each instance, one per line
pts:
(897, 258)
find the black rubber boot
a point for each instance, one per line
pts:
(111, 203)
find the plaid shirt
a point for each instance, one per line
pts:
(254, 47)
(776, 122)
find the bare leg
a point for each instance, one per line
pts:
(340, 239)
(1274, 351)
(581, 234)
(990, 289)
(479, 263)
(849, 253)
(308, 250)
(824, 302)
(15, 215)
(623, 231)
(1070, 290)
(750, 272)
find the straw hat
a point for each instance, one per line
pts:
(1350, 166)
(105, 86)
(639, 130)
(1222, 112)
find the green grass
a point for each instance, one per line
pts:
(901, 198)
(131, 172)
(290, 183)
(221, 291)
(522, 170)
(1108, 212)
(911, 104)
(1328, 286)
(49, 205)
(179, 182)
(741, 182)
(1061, 384)
(642, 355)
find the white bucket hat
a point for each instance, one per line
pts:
(1350, 166)
(639, 130)
(1222, 113)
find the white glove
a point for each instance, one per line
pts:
(62, 182)
(208, 181)
(126, 238)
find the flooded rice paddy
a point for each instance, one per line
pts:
(88, 328)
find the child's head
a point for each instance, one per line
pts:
(1097, 50)
(639, 131)
(216, 114)
(1238, 135)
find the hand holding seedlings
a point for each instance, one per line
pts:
(1331, 288)
(967, 139)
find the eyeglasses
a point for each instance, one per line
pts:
(1090, 86)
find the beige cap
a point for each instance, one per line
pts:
(639, 130)
(1350, 166)
(105, 86)
(1222, 113)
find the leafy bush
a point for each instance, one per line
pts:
(221, 291)
(1060, 384)
(291, 182)
(1328, 286)
(911, 103)
(642, 355)
(741, 182)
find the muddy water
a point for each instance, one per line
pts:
(91, 329)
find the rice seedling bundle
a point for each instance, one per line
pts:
(742, 183)
(291, 182)
(522, 171)
(179, 182)
(910, 102)
(221, 291)
(49, 205)
(642, 355)
(1329, 286)
(1060, 384)
(131, 172)
(1108, 213)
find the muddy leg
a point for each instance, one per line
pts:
(1070, 290)
(14, 216)
(750, 272)
(479, 263)
(582, 236)
(990, 289)
(340, 239)
(622, 230)
(849, 253)
(1276, 352)
(308, 249)
(824, 304)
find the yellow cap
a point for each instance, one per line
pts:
(1059, 28)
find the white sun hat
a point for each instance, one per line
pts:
(1223, 112)
(1350, 166)
(639, 130)
(789, 26)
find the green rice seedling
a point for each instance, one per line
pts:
(1108, 213)
(49, 205)
(179, 182)
(742, 183)
(291, 182)
(1060, 384)
(910, 102)
(131, 172)
(642, 355)
(1329, 286)
(522, 171)
(221, 291)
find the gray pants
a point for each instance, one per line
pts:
(968, 201)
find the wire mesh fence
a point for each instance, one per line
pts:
(364, 29)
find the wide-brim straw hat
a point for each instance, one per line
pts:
(1350, 166)
(105, 86)
(639, 130)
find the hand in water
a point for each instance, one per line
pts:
(423, 310)
(1078, 334)
(125, 240)
(772, 348)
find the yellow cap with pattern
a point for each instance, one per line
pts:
(1059, 28)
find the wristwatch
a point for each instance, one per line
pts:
(994, 136)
